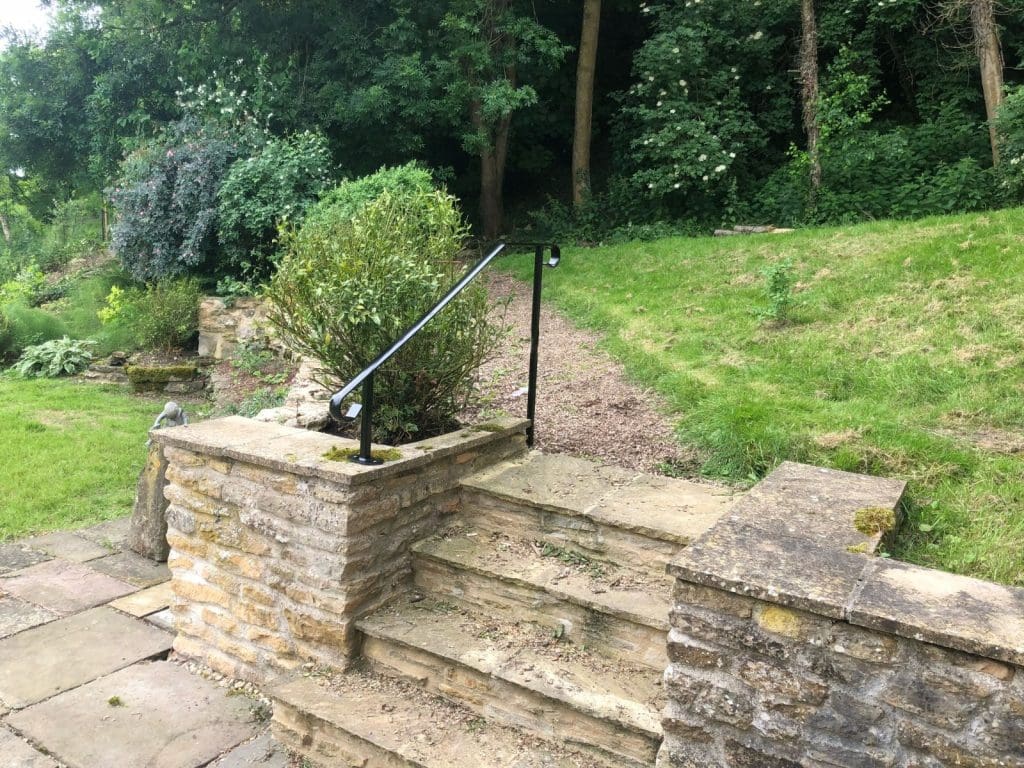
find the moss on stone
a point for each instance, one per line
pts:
(489, 426)
(156, 377)
(874, 520)
(859, 549)
(344, 454)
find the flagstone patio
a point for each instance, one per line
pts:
(85, 679)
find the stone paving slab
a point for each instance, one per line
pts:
(146, 602)
(262, 751)
(552, 481)
(56, 657)
(17, 615)
(132, 568)
(112, 534)
(16, 555)
(15, 752)
(163, 619)
(67, 545)
(166, 718)
(64, 587)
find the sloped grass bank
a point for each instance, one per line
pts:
(904, 356)
(70, 453)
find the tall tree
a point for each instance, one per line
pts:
(809, 90)
(586, 69)
(985, 41)
(481, 51)
(990, 58)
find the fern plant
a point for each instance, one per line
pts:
(59, 357)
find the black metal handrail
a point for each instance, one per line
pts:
(364, 410)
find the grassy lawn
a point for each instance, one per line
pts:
(903, 358)
(70, 453)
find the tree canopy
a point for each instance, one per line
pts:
(701, 110)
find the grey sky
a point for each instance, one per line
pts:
(23, 14)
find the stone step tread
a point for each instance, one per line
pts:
(661, 508)
(528, 657)
(629, 595)
(419, 728)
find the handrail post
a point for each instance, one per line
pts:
(365, 455)
(531, 393)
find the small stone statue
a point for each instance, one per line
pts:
(173, 415)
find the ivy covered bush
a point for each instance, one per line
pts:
(358, 274)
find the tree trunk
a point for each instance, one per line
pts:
(492, 198)
(585, 71)
(6, 227)
(492, 171)
(990, 59)
(809, 90)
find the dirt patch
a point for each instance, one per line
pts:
(990, 439)
(585, 404)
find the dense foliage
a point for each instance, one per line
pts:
(698, 115)
(167, 200)
(349, 285)
(162, 315)
(262, 192)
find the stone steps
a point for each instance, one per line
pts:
(606, 513)
(618, 612)
(366, 720)
(521, 676)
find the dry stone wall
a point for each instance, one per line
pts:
(791, 645)
(224, 325)
(276, 551)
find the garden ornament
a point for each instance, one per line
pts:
(173, 415)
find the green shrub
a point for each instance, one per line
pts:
(24, 326)
(348, 198)
(164, 315)
(57, 357)
(25, 287)
(74, 231)
(346, 289)
(779, 282)
(166, 200)
(1010, 127)
(261, 192)
(26, 234)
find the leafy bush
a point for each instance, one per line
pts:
(348, 198)
(24, 243)
(26, 286)
(707, 102)
(24, 326)
(347, 287)
(615, 215)
(276, 185)
(58, 357)
(74, 231)
(166, 200)
(1010, 127)
(779, 282)
(164, 315)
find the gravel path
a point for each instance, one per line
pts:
(586, 406)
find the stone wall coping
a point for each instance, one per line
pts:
(301, 452)
(792, 541)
